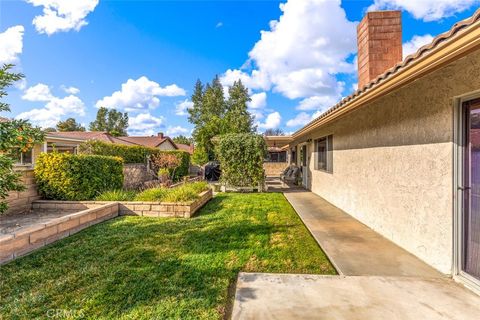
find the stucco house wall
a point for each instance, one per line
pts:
(393, 162)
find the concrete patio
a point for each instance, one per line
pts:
(377, 279)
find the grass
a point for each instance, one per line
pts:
(183, 193)
(117, 195)
(147, 268)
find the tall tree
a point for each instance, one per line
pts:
(182, 140)
(237, 117)
(212, 115)
(112, 121)
(69, 124)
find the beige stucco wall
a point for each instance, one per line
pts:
(393, 162)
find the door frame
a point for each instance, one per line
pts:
(458, 194)
(305, 169)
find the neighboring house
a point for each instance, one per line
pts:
(401, 153)
(68, 141)
(277, 155)
(186, 147)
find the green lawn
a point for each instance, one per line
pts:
(148, 268)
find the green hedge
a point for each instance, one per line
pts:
(135, 154)
(241, 158)
(64, 176)
(129, 154)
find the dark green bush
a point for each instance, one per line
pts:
(129, 154)
(64, 176)
(241, 158)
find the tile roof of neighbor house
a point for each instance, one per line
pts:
(437, 43)
(147, 141)
(185, 147)
(2, 119)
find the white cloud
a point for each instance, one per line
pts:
(11, 44)
(317, 103)
(138, 95)
(427, 10)
(300, 120)
(39, 92)
(181, 108)
(219, 24)
(259, 100)
(177, 130)
(415, 43)
(144, 124)
(54, 109)
(70, 90)
(302, 52)
(62, 15)
(272, 121)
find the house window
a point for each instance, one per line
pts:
(280, 156)
(25, 158)
(324, 154)
(293, 159)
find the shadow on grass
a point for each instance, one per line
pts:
(147, 268)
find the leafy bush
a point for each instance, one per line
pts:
(182, 169)
(241, 159)
(117, 195)
(199, 156)
(63, 176)
(183, 193)
(129, 154)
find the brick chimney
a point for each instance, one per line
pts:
(379, 40)
(160, 135)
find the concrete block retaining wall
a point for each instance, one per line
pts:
(20, 201)
(28, 239)
(147, 209)
(82, 214)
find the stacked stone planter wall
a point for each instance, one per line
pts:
(28, 239)
(20, 202)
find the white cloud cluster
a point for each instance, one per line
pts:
(259, 100)
(176, 130)
(181, 108)
(62, 15)
(415, 43)
(426, 10)
(272, 121)
(138, 95)
(302, 52)
(144, 124)
(70, 90)
(318, 103)
(11, 44)
(54, 109)
(301, 119)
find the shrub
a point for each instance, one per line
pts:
(117, 195)
(182, 169)
(199, 156)
(183, 193)
(129, 154)
(241, 157)
(63, 176)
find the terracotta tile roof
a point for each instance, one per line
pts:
(421, 53)
(153, 141)
(83, 135)
(185, 147)
(2, 119)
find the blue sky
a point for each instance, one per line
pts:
(145, 56)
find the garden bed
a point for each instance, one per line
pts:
(139, 208)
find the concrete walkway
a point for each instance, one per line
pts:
(353, 248)
(378, 279)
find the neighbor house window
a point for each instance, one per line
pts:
(324, 154)
(280, 156)
(25, 158)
